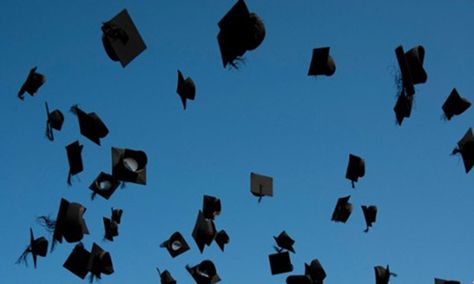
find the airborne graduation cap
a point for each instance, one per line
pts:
(370, 215)
(175, 245)
(222, 239)
(90, 124)
(33, 82)
(315, 271)
(129, 165)
(442, 281)
(111, 225)
(121, 39)
(355, 169)
(466, 148)
(204, 273)
(211, 206)
(403, 107)
(411, 68)
(280, 262)
(54, 121)
(382, 274)
(185, 89)
(455, 104)
(298, 279)
(321, 63)
(204, 231)
(104, 185)
(80, 262)
(37, 247)
(165, 277)
(343, 210)
(284, 241)
(240, 31)
(74, 158)
(261, 185)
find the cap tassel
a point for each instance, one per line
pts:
(49, 131)
(277, 249)
(47, 223)
(23, 256)
(366, 229)
(69, 179)
(455, 151)
(353, 184)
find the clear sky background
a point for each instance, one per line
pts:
(268, 117)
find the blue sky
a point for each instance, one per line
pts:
(267, 117)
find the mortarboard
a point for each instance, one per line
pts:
(204, 273)
(33, 82)
(54, 121)
(111, 229)
(211, 206)
(466, 148)
(104, 185)
(36, 247)
(284, 241)
(240, 31)
(90, 124)
(403, 107)
(321, 63)
(176, 244)
(315, 271)
(222, 239)
(280, 262)
(117, 215)
(411, 67)
(129, 165)
(101, 262)
(80, 262)
(382, 274)
(74, 158)
(455, 104)
(261, 185)
(204, 231)
(121, 39)
(441, 281)
(355, 169)
(165, 277)
(370, 215)
(298, 279)
(186, 89)
(343, 210)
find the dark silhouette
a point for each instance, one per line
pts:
(204, 273)
(441, 281)
(129, 165)
(466, 149)
(280, 262)
(411, 68)
(355, 169)
(104, 185)
(222, 239)
(204, 231)
(36, 247)
(382, 274)
(90, 124)
(370, 215)
(80, 262)
(54, 120)
(185, 89)
(33, 82)
(211, 206)
(321, 63)
(455, 104)
(165, 277)
(74, 158)
(343, 210)
(284, 241)
(261, 185)
(175, 245)
(403, 107)
(111, 225)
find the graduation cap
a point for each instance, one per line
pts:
(74, 158)
(204, 273)
(36, 247)
(211, 206)
(204, 231)
(80, 262)
(298, 279)
(280, 262)
(284, 241)
(90, 124)
(104, 185)
(186, 89)
(411, 67)
(370, 215)
(54, 121)
(121, 39)
(343, 210)
(321, 63)
(441, 281)
(466, 148)
(261, 185)
(455, 104)
(117, 215)
(33, 82)
(403, 107)
(240, 31)
(355, 169)
(129, 165)
(382, 274)
(176, 244)
(222, 239)
(166, 277)
(315, 271)
(111, 229)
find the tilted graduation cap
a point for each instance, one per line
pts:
(240, 31)
(222, 239)
(121, 39)
(455, 104)
(343, 210)
(90, 124)
(117, 215)
(466, 148)
(299, 279)
(204, 231)
(104, 185)
(185, 89)
(176, 244)
(33, 82)
(54, 121)
(204, 273)
(129, 165)
(165, 277)
(442, 281)
(382, 274)
(211, 206)
(411, 67)
(36, 247)
(321, 63)
(80, 262)
(280, 262)
(284, 241)
(261, 185)
(355, 169)
(111, 229)
(315, 271)
(403, 107)
(74, 158)
(370, 215)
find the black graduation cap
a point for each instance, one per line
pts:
(165, 277)
(411, 67)
(54, 121)
(382, 274)
(33, 82)
(36, 247)
(121, 39)
(261, 185)
(186, 89)
(284, 241)
(204, 231)
(204, 273)
(315, 271)
(321, 63)
(74, 158)
(176, 244)
(442, 281)
(90, 124)
(111, 229)
(240, 31)
(455, 104)
(222, 239)
(104, 185)
(403, 107)
(355, 169)
(466, 148)
(343, 210)
(298, 279)
(280, 262)
(80, 262)
(117, 215)
(129, 165)
(370, 215)
(211, 206)
(101, 262)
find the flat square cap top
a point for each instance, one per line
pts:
(343, 210)
(74, 157)
(176, 244)
(104, 185)
(355, 169)
(284, 241)
(91, 125)
(321, 63)
(33, 82)
(455, 104)
(261, 185)
(129, 165)
(280, 263)
(204, 273)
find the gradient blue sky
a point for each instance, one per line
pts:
(267, 117)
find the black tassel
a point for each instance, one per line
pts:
(455, 151)
(47, 223)
(23, 257)
(366, 230)
(69, 179)
(93, 195)
(353, 184)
